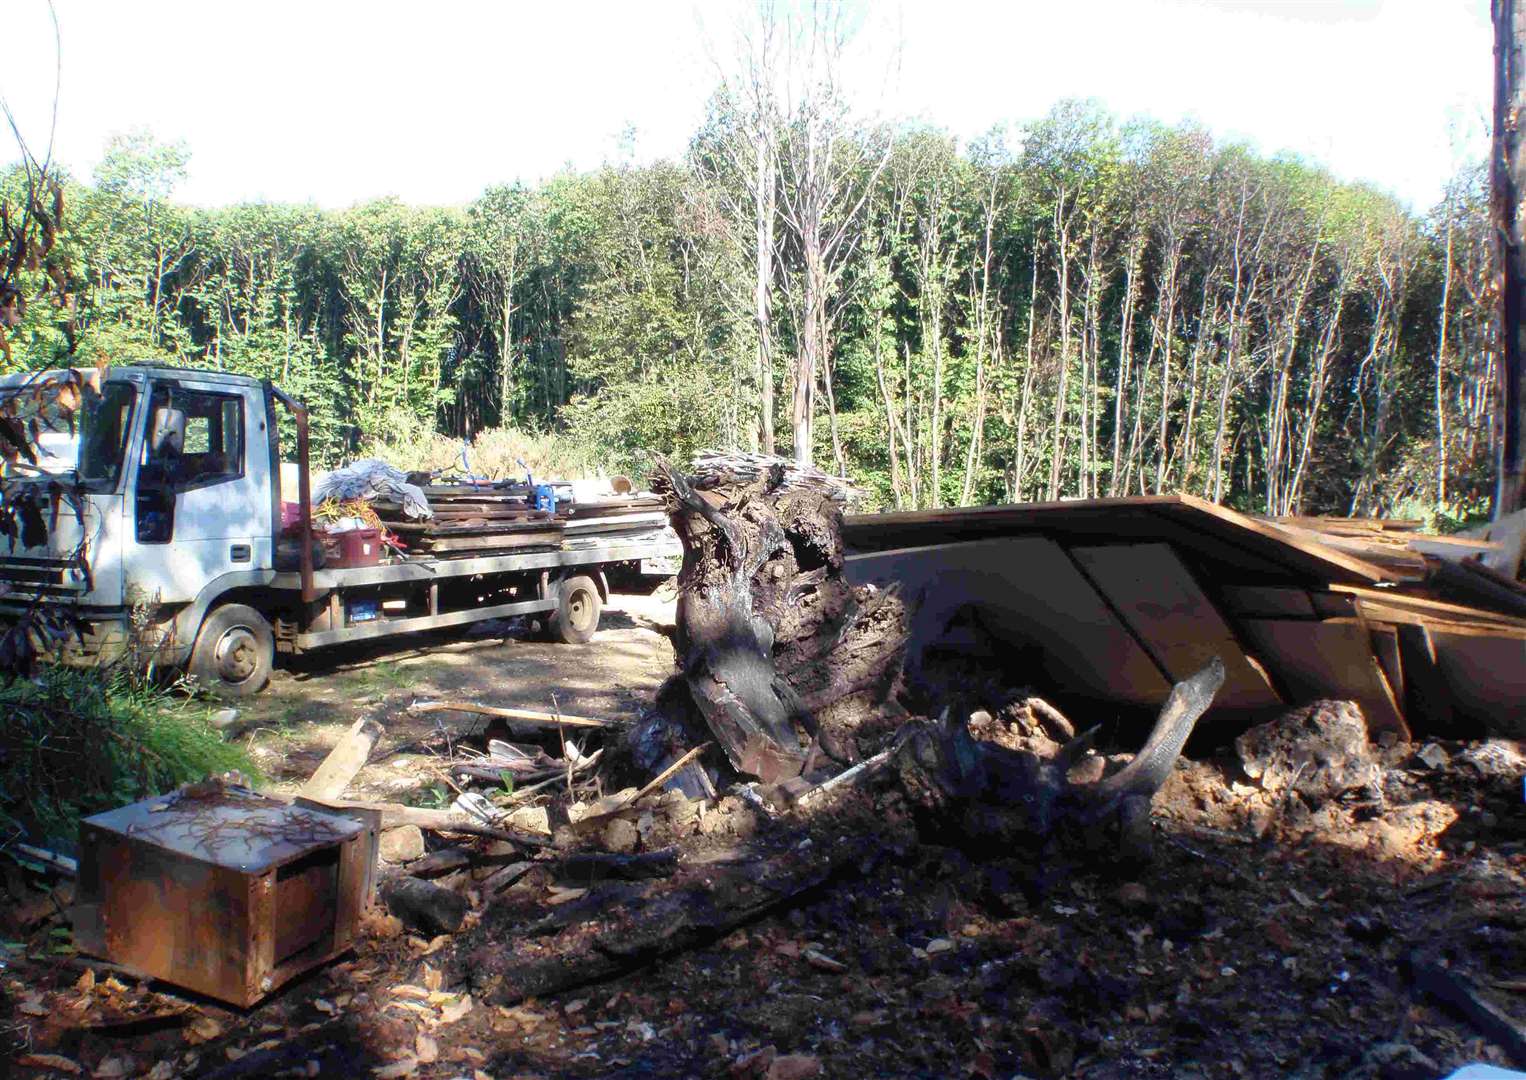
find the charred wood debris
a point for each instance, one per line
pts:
(800, 760)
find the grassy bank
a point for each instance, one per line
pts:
(76, 742)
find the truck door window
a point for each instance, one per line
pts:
(213, 450)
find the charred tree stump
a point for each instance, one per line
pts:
(772, 640)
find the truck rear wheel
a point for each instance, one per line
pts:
(234, 652)
(577, 611)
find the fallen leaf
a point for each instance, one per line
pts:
(33, 1006)
(164, 1070)
(432, 979)
(86, 982)
(437, 944)
(478, 1074)
(822, 962)
(407, 1067)
(426, 1048)
(203, 1029)
(563, 896)
(456, 1010)
(49, 1061)
(110, 1069)
(323, 1006)
(234, 1052)
(408, 990)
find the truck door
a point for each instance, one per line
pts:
(202, 500)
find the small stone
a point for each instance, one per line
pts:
(939, 945)
(1133, 896)
(1433, 756)
(401, 845)
(223, 718)
(621, 836)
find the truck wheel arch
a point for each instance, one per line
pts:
(238, 587)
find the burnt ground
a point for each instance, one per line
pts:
(1272, 934)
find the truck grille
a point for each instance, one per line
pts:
(28, 577)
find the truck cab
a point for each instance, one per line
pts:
(178, 497)
(176, 548)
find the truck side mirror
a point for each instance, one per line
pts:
(168, 434)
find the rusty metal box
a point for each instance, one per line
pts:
(225, 891)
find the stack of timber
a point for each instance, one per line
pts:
(1118, 599)
(498, 517)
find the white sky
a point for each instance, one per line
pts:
(337, 101)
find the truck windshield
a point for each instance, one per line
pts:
(104, 432)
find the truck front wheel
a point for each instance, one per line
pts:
(234, 652)
(577, 611)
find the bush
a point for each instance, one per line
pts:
(76, 742)
(494, 454)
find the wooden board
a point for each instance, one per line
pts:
(1182, 519)
(1331, 659)
(1030, 596)
(1486, 673)
(1179, 626)
(1401, 607)
(1267, 601)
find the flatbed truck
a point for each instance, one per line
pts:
(192, 560)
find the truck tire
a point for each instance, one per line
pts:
(234, 652)
(577, 611)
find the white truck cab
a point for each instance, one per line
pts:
(179, 538)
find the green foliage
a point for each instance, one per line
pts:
(1100, 308)
(76, 742)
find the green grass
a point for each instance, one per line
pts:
(76, 742)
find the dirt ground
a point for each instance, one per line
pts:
(310, 703)
(1272, 934)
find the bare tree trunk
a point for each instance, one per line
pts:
(1057, 442)
(1441, 362)
(1125, 357)
(1507, 175)
(764, 209)
(1019, 458)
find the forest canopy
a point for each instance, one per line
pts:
(1075, 307)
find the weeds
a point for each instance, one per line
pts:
(76, 742)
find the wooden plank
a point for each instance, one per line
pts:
(1029, 596)
(1423, 607)
(1329, 605)
(1158, 598)
(1486, 673)
(1328, 659)
(1267, 601)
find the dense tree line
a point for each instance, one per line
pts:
(1075, 308)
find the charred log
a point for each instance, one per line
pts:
(983, 795)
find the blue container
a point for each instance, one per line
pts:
(545, 498)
